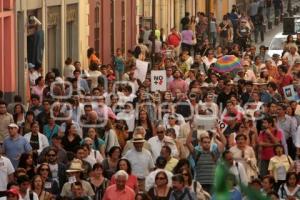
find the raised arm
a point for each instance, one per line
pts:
(189, 142)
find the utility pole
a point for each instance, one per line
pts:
(207, 8)
(153, 33)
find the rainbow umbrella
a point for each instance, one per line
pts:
(227, 63)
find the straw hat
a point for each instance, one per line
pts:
(138, 138)
(76, 166)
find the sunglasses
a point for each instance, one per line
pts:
(160, 132)
(51, 155)
(185, 174)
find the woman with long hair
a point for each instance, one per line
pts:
(287, 44)
(194, 185)
(290, 189)
(98, 144)
(71, 139)
(98, 182)
(161, 190)
(19, 114)
(132, 181)
(182, 165)
(37, 186)
(110, 163)
(50, 185)
(121, 130)
(144, 121)
(267, 183)
(26, 126)
(111, 138)
(26, 162)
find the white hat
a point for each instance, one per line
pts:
(13, 125)
(76, 166)
(138, 138)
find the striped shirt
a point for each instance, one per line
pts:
(205, 165)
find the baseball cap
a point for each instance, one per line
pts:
(13, 191)
(13, 125)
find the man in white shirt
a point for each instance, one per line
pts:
(141, 160)
(6, 173)
(156, 142)
(236, 168)
(24, 188)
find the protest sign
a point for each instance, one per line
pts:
(158, 80)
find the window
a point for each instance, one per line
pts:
(97, 14)
(112, 26)
(123, 30)
(97, 40)
(97, 29)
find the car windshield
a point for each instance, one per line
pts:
(277, 44)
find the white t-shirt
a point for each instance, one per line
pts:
(27, 196)
(6, 168)
(141, 162)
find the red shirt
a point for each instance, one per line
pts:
(174, 39)
(112, 193)
(267, 152)
(131, 182)
(284, 81)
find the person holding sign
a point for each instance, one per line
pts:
(177, 83)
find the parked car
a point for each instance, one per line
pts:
(276, 44)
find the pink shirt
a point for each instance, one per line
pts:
(112, 193)
(131, 182)
(178, 84)
(267, 152)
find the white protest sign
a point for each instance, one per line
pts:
(158, 80)
(141, 70)
(289, 93)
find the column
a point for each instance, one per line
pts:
(177, 15)
(63, 33)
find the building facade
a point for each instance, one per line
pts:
(112, 25)
(170, 12)
(7, 48)
(61, 32)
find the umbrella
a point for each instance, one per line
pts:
(227, 63)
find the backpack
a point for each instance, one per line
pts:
(31, 195)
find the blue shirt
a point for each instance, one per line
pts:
(234, 194)
(13, 148)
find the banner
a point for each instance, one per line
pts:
(289, 93)
(141, 70)
(158, 80)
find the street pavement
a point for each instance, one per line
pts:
(275, 29)
(269, 35)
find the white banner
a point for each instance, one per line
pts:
(158, 80)
(141, 70)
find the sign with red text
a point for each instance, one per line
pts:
(158, 80)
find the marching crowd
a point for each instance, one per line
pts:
(102, 134)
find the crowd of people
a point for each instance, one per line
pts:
(102, 134)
